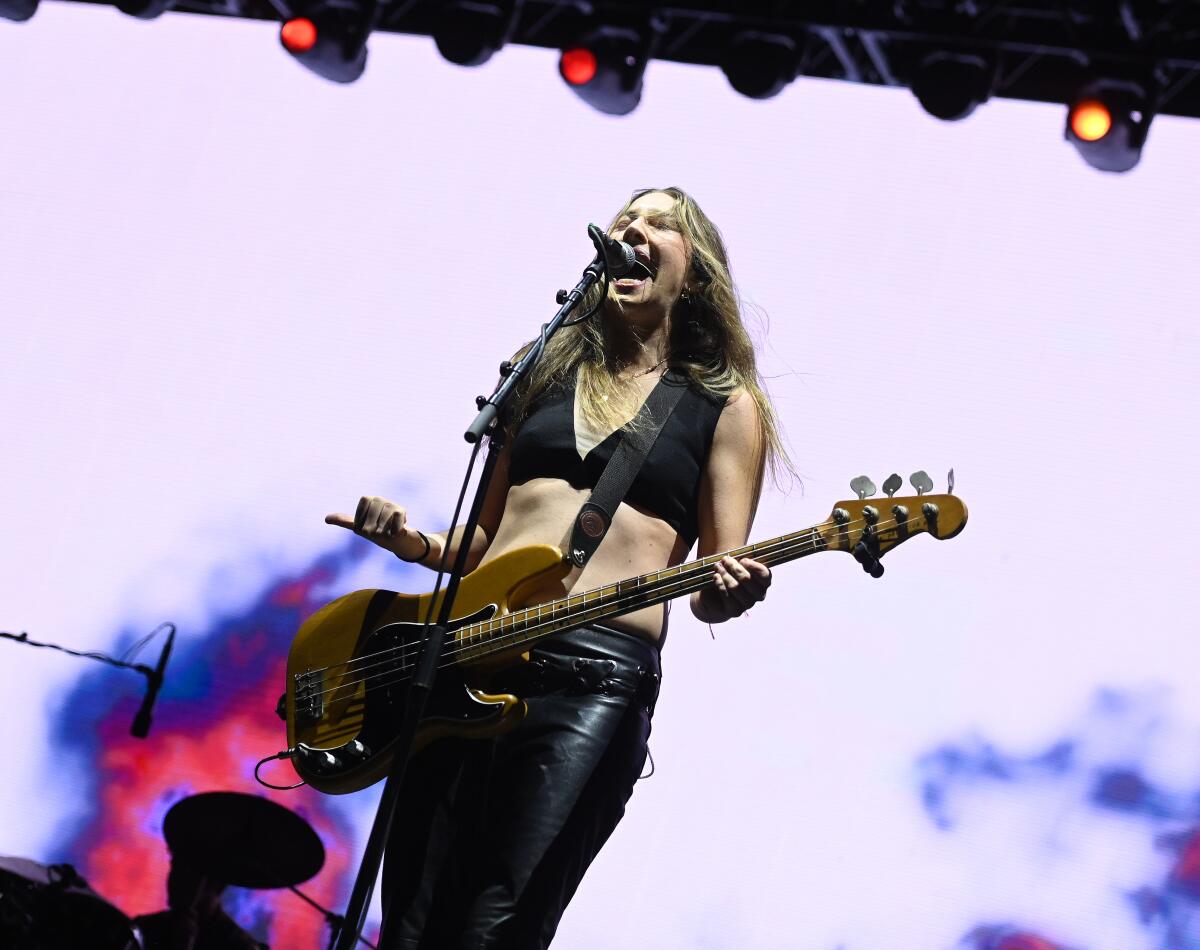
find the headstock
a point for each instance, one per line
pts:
(869, 529)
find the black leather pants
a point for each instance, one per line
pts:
(491, 838)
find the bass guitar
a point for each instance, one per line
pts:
(350, 663)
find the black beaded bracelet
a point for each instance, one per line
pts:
(424, 554)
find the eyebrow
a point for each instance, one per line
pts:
(651, 213)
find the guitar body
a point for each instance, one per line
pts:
(350, 665)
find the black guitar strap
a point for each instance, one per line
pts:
(596, 515)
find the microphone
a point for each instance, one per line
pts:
(141, 722)
(619, 258)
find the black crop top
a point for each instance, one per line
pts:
(668, 483)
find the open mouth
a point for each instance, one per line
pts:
(641, 270)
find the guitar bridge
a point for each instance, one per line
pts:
(310, 707)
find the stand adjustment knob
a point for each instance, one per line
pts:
(560, 298)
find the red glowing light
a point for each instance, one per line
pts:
(1090, 120)
(298, 35)
(578, 66)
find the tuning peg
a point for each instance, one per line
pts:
(862, 486)
(950, 482)
(921, 482)
(892, 485)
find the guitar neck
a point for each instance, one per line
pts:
(525, 626)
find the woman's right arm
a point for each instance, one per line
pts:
(385, 523)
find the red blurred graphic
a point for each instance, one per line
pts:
(1185, 875)
(215, 721)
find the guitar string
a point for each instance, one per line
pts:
(524, 613)
(674, 585)
(531, 615)
(507, 640)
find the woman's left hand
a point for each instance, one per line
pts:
(740, 584)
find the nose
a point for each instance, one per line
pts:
(635, 233)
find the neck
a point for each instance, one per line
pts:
(639, 349)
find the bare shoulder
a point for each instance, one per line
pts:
(732, 476)
(739, 426)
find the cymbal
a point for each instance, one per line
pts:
(27, 869)
(243, 840)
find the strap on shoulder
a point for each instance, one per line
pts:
(595, 517)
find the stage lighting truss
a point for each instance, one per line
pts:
(1108, 121)
(953, 54)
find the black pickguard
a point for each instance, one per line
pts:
(388, 657)
(449, 698)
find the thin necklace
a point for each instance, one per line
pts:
(647, 372)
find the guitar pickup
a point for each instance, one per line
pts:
(310, 706)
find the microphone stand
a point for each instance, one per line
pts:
(335, 921)
(485, 424)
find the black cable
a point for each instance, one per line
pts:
(591, 313)
(444, 560)
(134, 650)
(285, 754)
(88, 654)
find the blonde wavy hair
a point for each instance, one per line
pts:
(707, 339)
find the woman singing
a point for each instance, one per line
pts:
(492, 837)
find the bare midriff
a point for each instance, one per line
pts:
(542, 511)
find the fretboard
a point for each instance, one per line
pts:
(523, 627)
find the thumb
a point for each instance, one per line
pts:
(342, 521)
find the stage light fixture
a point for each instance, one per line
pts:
(605, 68)
(1107, 122)
(469, 33)
(950, 86)
(759, 65)
(144, 9)
(330, 40)
(18, 10)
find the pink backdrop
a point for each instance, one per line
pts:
(236, 297)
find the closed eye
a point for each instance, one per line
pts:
(658, 221)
